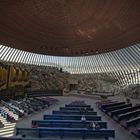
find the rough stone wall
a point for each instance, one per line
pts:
(48, 78)
(95, 82)
(132, 91)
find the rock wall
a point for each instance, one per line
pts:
(131, 91)
(95, 82)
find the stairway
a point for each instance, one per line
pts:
(8, 129)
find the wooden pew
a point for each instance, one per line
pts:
(109, 109)
(111, 105)
(6, 115)
(88, 106)
(101, 103)
(74, 112)
(10, 138)
(124, 110)
(128, 115)
(11, 108)
(73, 108)
(2, 138)
(66, 123)
(71, 117)
(65, 132)
(131, 122)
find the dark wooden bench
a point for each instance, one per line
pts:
(66, 123)
(71, 117)
(73, 108)
(65, 132)
(101, 103)
(74, 112)
(131, 122)
(124, 110)
(11, 108)
(111, 105)
(6, 115)
(128, 115)
(78, 106)
(109, 109)
(11, 138)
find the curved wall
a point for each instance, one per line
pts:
(123, 64)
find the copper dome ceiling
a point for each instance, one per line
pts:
(69, 27)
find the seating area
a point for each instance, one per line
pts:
(76, 124)
(124, 113)
(13, 110)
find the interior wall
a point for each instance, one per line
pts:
(95, 82)
(132, 91)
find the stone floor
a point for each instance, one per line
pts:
(120, 133)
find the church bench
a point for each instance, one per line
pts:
(66, 123)
(47, 100)
(71, 117)
(109, 109)
(11, 138)
(39, 102)
(65, 132)
(21, 106)
(11, 108)
(31, 105)
(78, 105)
(6, 115)
(74, 112)
(124, 110)
(111, 105)
(131, 122)
(101, 103)
(73, 108)
(36, 103)
(2, 138)
(128, 115)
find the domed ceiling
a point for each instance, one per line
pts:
(69, 27)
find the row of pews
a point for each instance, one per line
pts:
(67, 123)
(15, 109)
(124, 113)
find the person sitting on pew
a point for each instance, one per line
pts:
(83, 118)
(34, 125)
(94, 125)
(91, 125)
(83, 109)
(97, 126)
